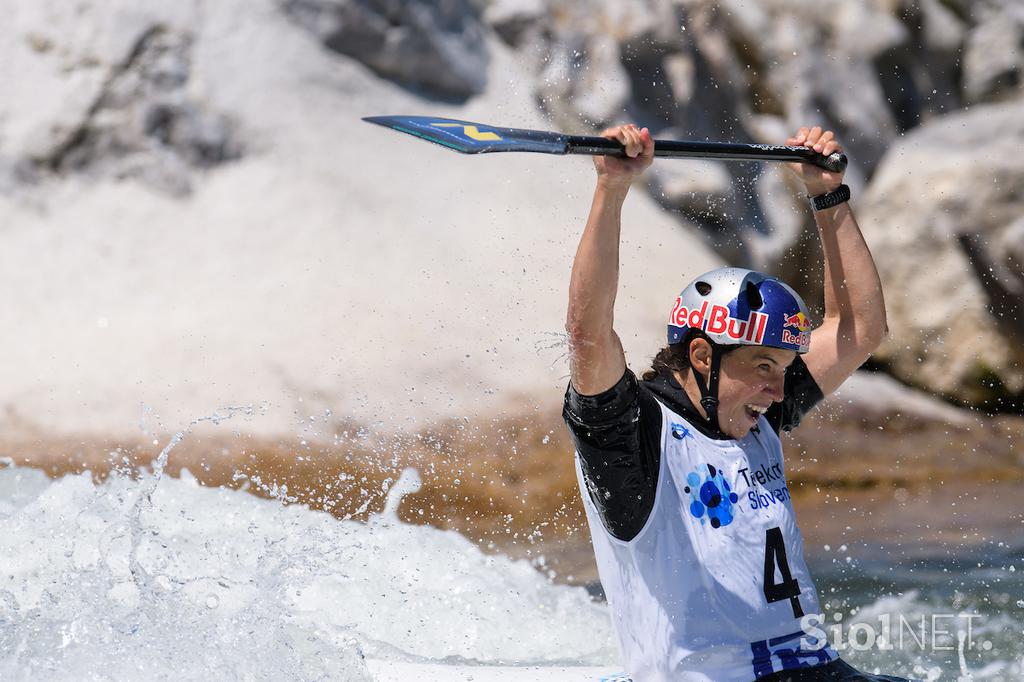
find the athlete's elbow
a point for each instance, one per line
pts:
(579, 333)
(864, 332)
(875, 336)
(860, 340)
(585, 329)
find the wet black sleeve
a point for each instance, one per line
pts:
(801, 395)
(618, 437)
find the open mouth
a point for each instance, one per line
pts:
(754, 411)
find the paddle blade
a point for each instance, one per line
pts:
(474, 138)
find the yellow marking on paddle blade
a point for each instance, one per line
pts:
(470, 131)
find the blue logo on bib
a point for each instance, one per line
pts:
(711, 496)
(679, 431)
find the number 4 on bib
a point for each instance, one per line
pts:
(775, 555)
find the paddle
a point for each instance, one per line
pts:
(479, 138)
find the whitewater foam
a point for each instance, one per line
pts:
(148, 577)
(160, 578)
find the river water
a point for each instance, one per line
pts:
(150, 577)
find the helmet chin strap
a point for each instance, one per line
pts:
(709, 390)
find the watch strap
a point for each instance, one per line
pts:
(829, 199)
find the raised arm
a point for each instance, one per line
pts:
(854, 324)
(596, 358)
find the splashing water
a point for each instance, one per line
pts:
(148, 577)
(159, 578)
(408, 483)
(939, 619)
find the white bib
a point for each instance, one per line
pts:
(689, 595)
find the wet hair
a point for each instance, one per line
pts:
(676, 357)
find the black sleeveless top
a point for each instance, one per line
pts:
(618, 436)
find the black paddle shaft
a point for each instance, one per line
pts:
(730, 151)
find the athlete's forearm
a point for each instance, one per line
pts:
(596, 360)
(853, 291)
(595, 270)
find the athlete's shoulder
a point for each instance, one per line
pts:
(612, 405)
(617, 435)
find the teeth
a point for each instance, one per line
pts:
(759, 410)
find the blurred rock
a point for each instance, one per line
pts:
(600, 62)
(875, 396)
(512, 19)
(680, 76)
(436, 47)
(1013, 245)
(810, 62)
(919, 73)
(1001, 276)
(147, 124)
(584, 81)
(779, 248)
(600, 86)
(938, 217)
(749, 71)
(694, 186)
(108, 94)
(55, 64)
(993, 60)
(940, 25)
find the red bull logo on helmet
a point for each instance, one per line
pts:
(715, 319)
(798, 320)
(802, 337)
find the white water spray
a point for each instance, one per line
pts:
(161, 578)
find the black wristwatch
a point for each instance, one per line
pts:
(830, 199)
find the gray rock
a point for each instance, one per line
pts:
(600, 85)
(437, 47)
(583, 80)
(513, 19)
(790, 71)
(993, 62)
(145, 124)
(788, 216)
(941, 217)
(693, 186)
(873, 394)
(106, 91)
(680, 76)
(601, 62)
(1001, 275)
(919, 73)
(942, 28)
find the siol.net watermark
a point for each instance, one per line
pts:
(893, 631)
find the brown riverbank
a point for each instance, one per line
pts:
(878, 483)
